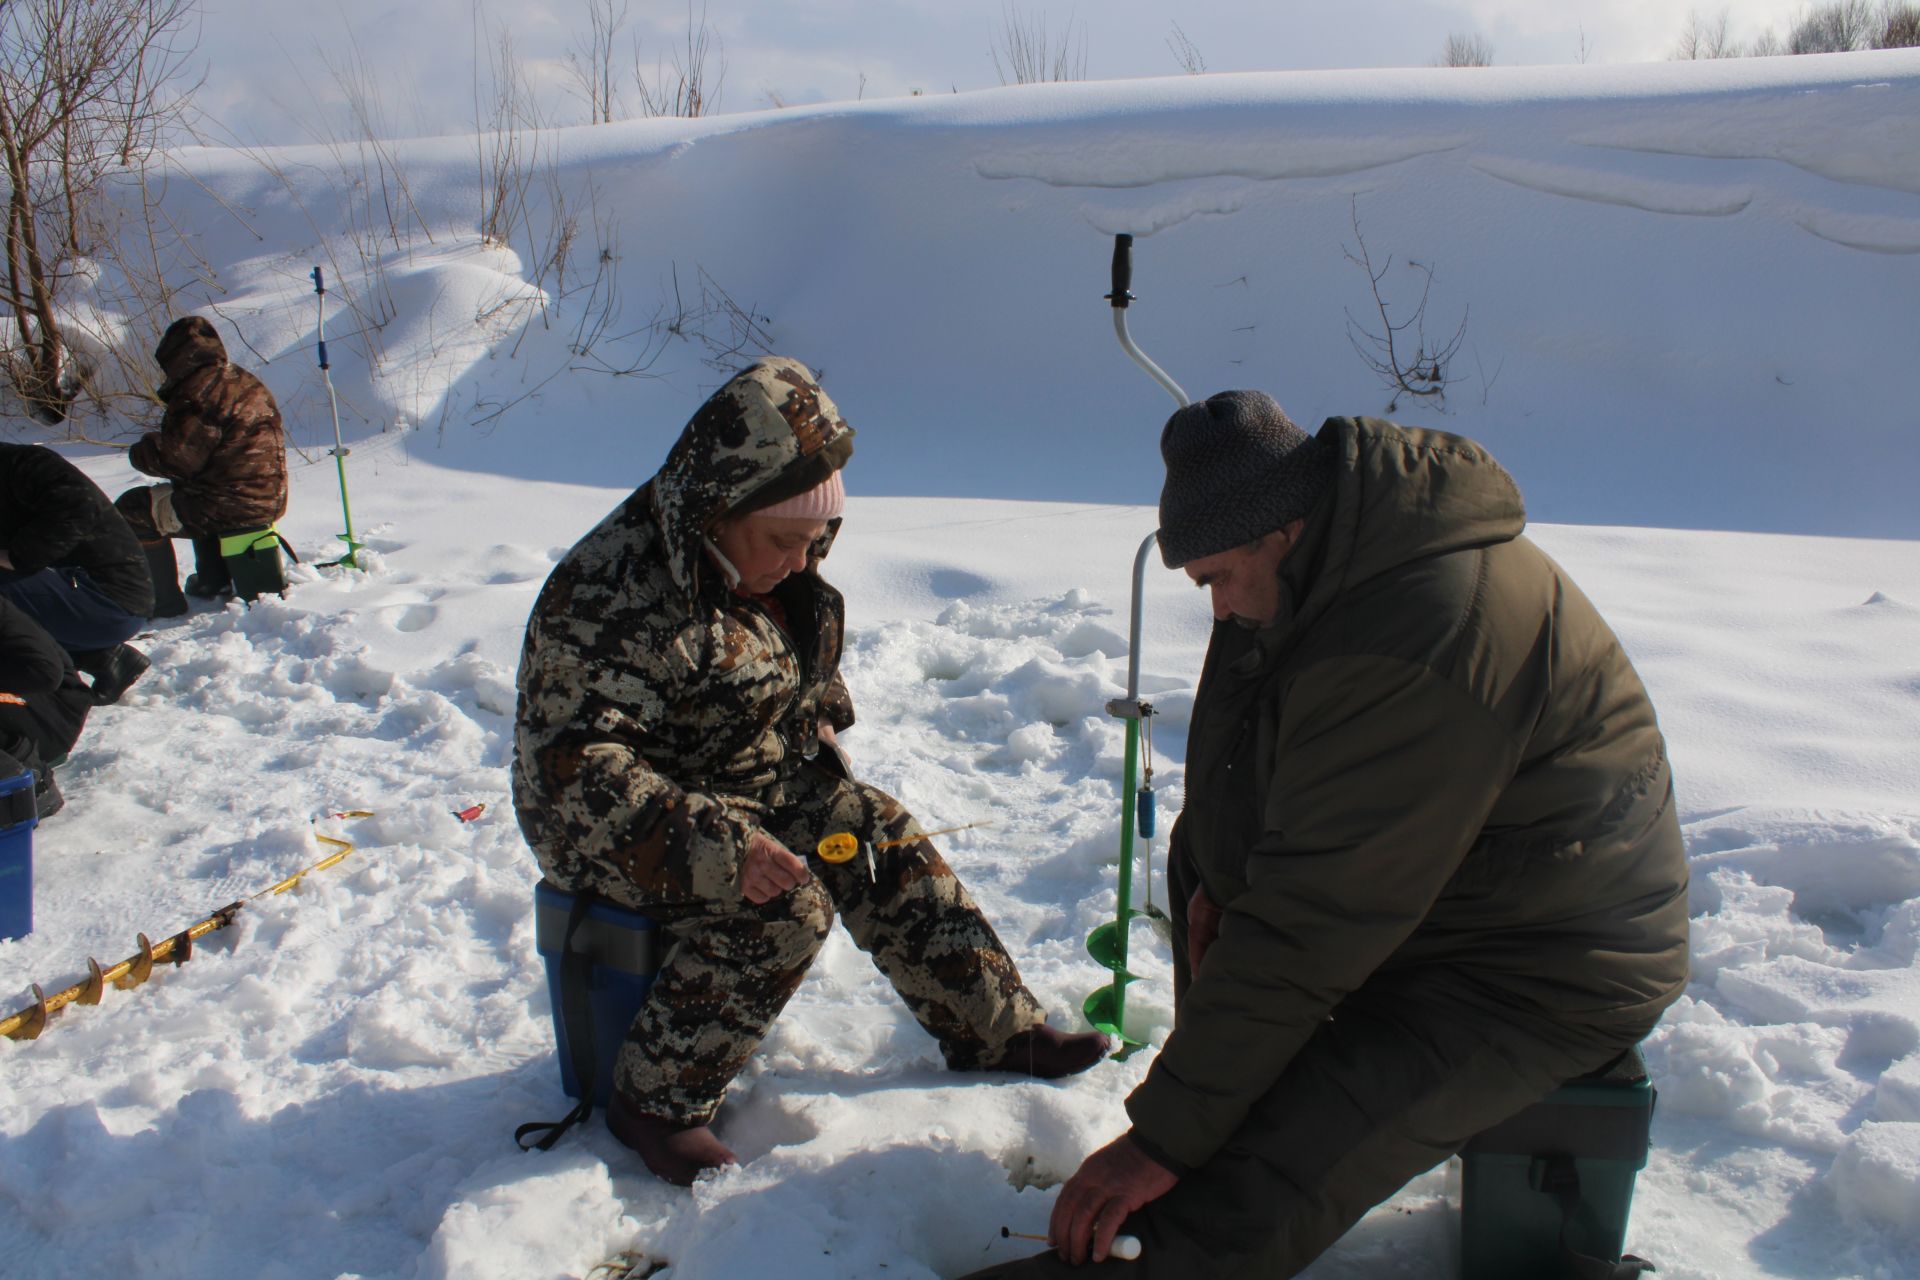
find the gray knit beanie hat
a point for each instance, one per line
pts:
(1237, 469)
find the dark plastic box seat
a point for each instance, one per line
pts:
(1596, 1128)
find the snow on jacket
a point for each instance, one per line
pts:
(53, 517)
(659, 711)
(220, 442)
(1438, 755)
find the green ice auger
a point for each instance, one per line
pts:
(1106, 1008)
(340, 450)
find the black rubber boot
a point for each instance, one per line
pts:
(165, 571)
(113, 670)
(46, 793)
(210, 579)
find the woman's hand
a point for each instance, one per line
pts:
(769, 869)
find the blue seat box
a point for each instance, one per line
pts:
(18, 817)
(620, 943)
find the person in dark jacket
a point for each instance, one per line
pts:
(43, 703)
(1429, 853)
(675, 752)
(221, 452)
(69, 561)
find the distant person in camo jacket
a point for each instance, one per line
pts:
(221, 455)
(675, 752)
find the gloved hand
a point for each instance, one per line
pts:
(1203, 926)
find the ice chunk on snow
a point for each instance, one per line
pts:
(558, 1222)
(1876, 1179)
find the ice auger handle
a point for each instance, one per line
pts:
(1122, 272)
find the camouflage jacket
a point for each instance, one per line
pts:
(660, 713)
(220, 442)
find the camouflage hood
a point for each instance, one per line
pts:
(189, 343)
(768, 434)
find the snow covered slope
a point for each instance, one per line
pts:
(1688, 290)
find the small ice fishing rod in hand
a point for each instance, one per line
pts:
(339, 447)
(1125, 1248)
(841, 846)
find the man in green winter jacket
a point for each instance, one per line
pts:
(1429, 851)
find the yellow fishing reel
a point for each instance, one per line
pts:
(841, 846)
(844, 846)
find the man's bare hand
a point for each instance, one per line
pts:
(1113, 1182)
(769, 869)
(1203, 926)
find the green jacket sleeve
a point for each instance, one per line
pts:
(1383, 776)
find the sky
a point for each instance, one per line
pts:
(264, 82)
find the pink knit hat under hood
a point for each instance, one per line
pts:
(824, 501)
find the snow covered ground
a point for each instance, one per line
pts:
(1699, 283)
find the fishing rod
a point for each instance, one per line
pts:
(1106, 1008)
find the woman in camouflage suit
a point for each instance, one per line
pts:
(674, 752)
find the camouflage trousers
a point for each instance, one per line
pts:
(730, 965)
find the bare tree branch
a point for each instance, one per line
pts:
(1401, 355)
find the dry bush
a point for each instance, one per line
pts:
(89, 90)
(1899, 27)
(1705, 38)
(1840, 26)
(590, 62)
(692, 87)
(1466, 51)
(1186, 53)
(1031, 55)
